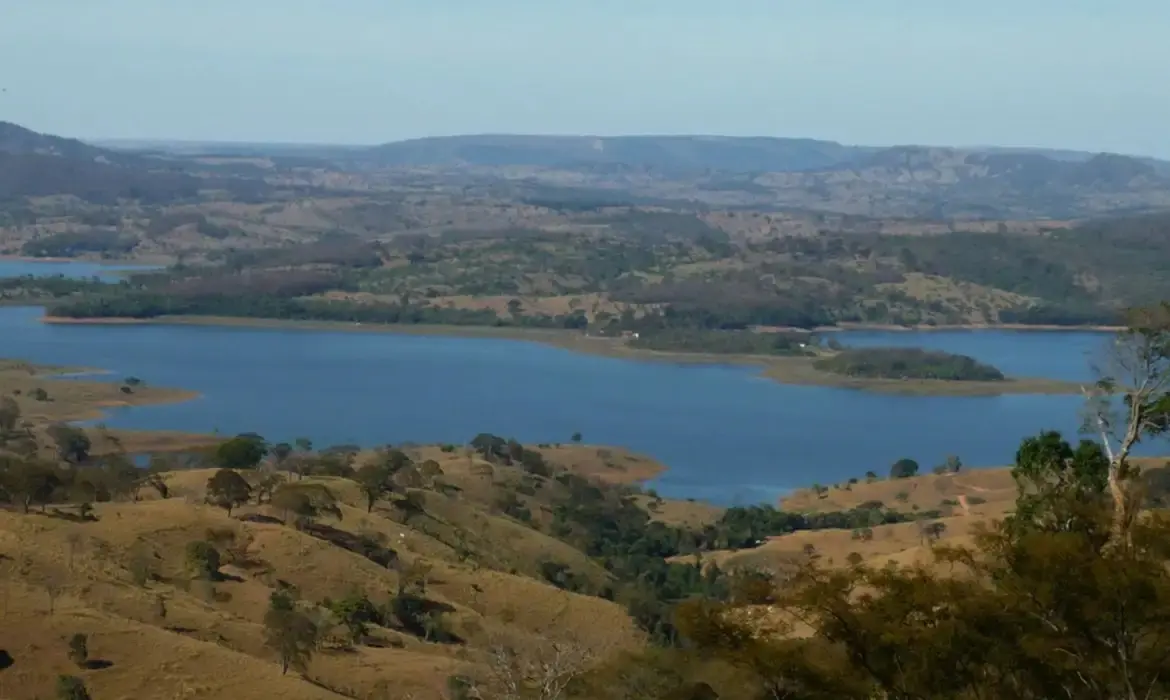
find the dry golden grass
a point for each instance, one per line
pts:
(210, 642)
(679, 513)
(147, 441)
(589, 304)
(966, 500)
(71, 399)
(979, 304)
(925, 492)
(615, 465)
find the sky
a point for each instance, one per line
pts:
(1083, 74)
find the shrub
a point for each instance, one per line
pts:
(241, 452)
(141, 565)
(71, 688)
(908, 363)
(203, 560)
(227, 489)
(79, 649)
(904, 468)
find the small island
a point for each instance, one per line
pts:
(908, 363)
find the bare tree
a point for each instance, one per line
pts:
(1131, 400)
(74, 542)
(540, 669)
(53, 589)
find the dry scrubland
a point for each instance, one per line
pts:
(46, 395)
(173, 637)
(156, 631)
(967, 500)
(70, 399)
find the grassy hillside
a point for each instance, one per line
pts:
(121, 576)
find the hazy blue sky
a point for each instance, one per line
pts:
(1073, 73)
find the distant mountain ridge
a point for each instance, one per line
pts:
(33, 164)
(727, 153)
(898, 181)
(936, 182)
(671, 153)
(17, 140)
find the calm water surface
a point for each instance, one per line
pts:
(107, 272)
(727, 434)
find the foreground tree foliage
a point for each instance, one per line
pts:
(289, 633)
(1051, 603)
(227, 489)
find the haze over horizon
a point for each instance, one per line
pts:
(1039, 73)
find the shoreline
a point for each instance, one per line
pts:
(793, 371)
(522, 330)
(1039, 328)
(106, 262)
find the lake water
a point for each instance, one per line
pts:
(727, 434)
(76, 269)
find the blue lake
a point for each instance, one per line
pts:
(727, 434)
(78, 269)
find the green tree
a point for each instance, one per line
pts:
(1055, 482)
(227, 489)
(356, 612)
(290, 634)
(305, 503)
(903, 469)
(374, 481)
(203, 560)
(27, 481)
(79, 649)
(73, 445)
(241, 452)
